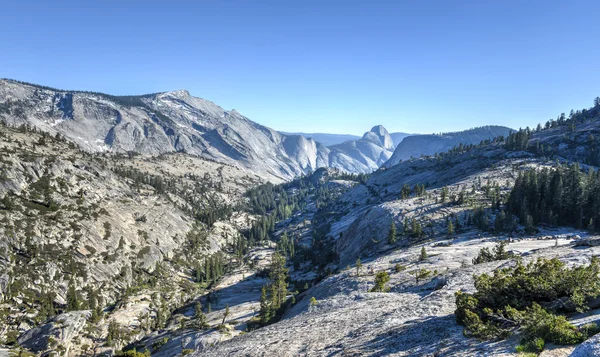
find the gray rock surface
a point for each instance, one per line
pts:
(57, 332)
(589, 348)
(418, 145)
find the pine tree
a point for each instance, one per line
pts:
(278, 277)
(416, 229)
(392, 233)
(265, 310)
(444, 194)
(225, 314)
(72, 300)
(423, 255)
(405, 192)
(358, 266)
(450, 228)
(200, 317)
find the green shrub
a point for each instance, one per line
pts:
(539, 323)
(399, 268)
(498, 253)
(530, 297)
(381, 279)
(590, 329)
(158, 344)
(134, 353)
(535, 346)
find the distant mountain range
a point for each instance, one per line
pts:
(430, 144)
(176, 121)
(334, 139)
(327, 139)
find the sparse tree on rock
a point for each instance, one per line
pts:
(450, 228)
(392, 233)
(381, 279)
(423, 255)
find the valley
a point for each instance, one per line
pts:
(164, 225)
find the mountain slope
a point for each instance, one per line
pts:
(429, 144)
(425, 267)
(398, 137)
(85, 230)
(170, 122)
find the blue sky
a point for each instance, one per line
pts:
(321, 66)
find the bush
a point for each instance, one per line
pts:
(535, 346)
(498, 253)
(134, 353)
(158, 344)
(399, 268)
(530, 297)
(541, 324)
(381, 279)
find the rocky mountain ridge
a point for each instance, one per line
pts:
(178, 122)
(334, 139)
(415, 146)
(444, 210)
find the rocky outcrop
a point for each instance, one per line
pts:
(589, 348)
(57, 332)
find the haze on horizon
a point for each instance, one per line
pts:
(339, 67)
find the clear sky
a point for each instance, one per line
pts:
(321, 66)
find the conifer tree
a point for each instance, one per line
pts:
(423, 256)
(72, 300)
(199, 316)
(265, 311)
(225, 315)
(392, 233)
(358, 266)
(381, 279)
(450, 228)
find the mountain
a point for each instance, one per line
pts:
(84, 230)
(327, 139)
(178, 122)
(334, 139)
(365, 154)
(398, 137)
(429, 144)
(107, 253)
(456, 236)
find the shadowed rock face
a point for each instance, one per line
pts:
(178, 122)
(62, 328)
